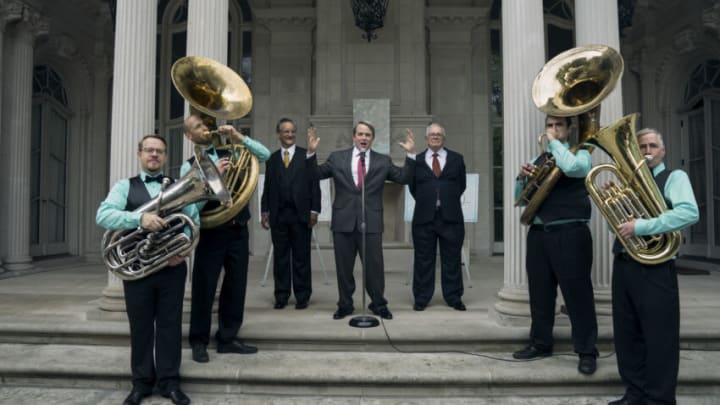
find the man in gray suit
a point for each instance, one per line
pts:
(350, 168)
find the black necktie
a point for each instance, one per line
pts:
(158, 178)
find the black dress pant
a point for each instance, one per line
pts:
(291, 256)
(225, 247)
(347, 246)
(646, 324)
(154, 307)
(561, 255)
(425, 240)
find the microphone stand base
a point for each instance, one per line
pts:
(364, 321)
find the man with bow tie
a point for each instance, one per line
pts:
(351, 170)
(290, 204)
(225, 246)
(437, 187)
(154, 303)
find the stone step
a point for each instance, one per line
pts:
(335, 373)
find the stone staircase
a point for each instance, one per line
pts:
(52, 338)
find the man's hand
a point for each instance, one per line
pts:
(265, 220)
(409, 144)
(607, 185)
(175, 260)
(526, 170)
(232, 133)
(551, 135)
(312, 140)
(313, 219)
(222, 165)
(152, 222)
(627, 230)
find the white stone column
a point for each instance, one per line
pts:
(133, 102)
(207, 36)
(17, 99)
(588, 31)
(8, 14)
(523, 56)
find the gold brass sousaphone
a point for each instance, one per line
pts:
(574, 83)
(217, 91)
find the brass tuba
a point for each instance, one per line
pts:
(572, 83)
(132, 254)
(638, 197)
(216, 90)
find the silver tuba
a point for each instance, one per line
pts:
(132, 254)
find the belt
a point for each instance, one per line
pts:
(557, 227)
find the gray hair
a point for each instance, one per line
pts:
(434, 124)
(646, 131)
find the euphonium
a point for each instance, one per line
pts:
(132, 254)
(572, 83)
(638, 197)
(216, 90)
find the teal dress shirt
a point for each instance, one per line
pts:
(576, 164)
(684, 211)
(112, 214)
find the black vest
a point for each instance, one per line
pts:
(138, 194)
(286, 187)
(660, 180)
(567, 200)
(243, 216)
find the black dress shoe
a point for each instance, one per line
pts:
(625, 400)
(531, 352)
(135, 397)
(200, 354)
(177, 397)
(419, 307)
(342, 313)
(280, 305)
(587, 364)
(383, 312)
(459, 306)
(301, 305)
(236, 346)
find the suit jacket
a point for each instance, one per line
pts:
(346, 210)
(426, 188)
(305, 190)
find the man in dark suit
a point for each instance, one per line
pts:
(437, 186)
(290, 205)
(351, 169)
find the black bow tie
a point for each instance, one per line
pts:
(158, 178)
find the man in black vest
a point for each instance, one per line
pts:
(559, 252)
(154, 303)
(645, 299)
(225, 246)
(290, 204)
(437, 187)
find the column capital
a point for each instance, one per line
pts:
(686, 41)
(10, 11)
(287, 19)
(29, 21)
(711, 18)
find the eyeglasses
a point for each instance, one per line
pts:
(150, 151)
(555, 124)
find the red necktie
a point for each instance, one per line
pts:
(436, 165)
(360, 169)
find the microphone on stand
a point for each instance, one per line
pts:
(364, 320)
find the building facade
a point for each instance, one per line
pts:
(83, 80)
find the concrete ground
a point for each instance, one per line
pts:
(66, 293)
